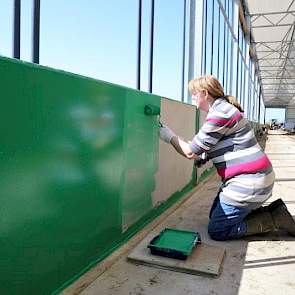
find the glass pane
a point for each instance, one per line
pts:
(216, 39)
(208, 46)
(92, 39)
(221, 63)
(168, 48)
(6, 27)
(26, 30)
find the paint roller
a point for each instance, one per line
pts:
(152, 110)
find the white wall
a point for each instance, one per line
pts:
(175, 171)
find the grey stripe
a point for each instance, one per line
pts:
(226, 115)
(240, 160)
(233, 148)
(250, 191)
(215, 135)
(224, 142)
(246, 128)
(222, 106)
(253, 204)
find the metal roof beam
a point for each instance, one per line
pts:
(272, 26)
(272, 13)
(272, 51)
(278, 83)
(273, 58)
(288, 54)
(281, 78)
(262, 42)
(272, 66)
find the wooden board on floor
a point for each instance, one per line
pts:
(204, 260)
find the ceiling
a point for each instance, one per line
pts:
(272, 32)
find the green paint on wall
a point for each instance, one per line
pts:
(76, 155)
(61, 160)
(78, 158)
(141, 140)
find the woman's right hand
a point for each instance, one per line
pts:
(200, 161)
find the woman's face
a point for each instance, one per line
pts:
(200, 99)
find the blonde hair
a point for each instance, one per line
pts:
(214, 88)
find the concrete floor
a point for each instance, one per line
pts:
(260, 265)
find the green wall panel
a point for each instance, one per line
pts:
(61, 163)
(78, 161)
(141, 145)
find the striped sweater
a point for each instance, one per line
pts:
(229, 141)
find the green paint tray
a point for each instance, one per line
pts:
(174, 243)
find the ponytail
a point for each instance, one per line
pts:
(232, 100)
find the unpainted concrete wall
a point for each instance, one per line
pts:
(174, 171)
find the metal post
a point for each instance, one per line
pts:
(151, 48)
(224, 52)
(139, 46)
(259, 104)
(191, 54)
(204, 28)
(218, 42)
(212, 41)
(16, 29)
(183, 50)
(36, 31)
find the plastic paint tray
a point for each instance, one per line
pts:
(174, 243)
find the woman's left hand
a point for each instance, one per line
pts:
(166, 133)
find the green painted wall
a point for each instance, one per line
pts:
(140, 156)
(77, 161)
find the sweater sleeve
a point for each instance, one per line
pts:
(214, 128)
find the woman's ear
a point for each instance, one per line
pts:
(206, 94)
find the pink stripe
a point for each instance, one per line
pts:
(236, 118)
(225, 121)
(252, 167)
(218, 121)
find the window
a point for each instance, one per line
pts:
(6, 28)
(209, 36)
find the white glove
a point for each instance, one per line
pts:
(166, 134)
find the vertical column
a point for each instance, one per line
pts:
(16, 29)
(183, 50)
(150, 84)
(36, 31)
(199, 37)
(139, 46)
(259, 103)
(235, 47)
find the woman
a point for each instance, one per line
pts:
(247, 175)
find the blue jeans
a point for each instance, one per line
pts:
(226, 221)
